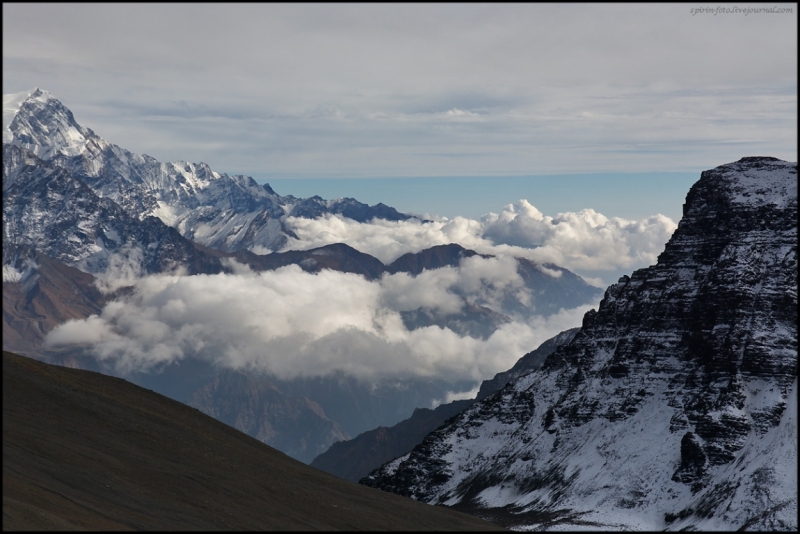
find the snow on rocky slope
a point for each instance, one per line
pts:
(47, 209)
(225, 212)
(674, 407)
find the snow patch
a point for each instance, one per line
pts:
(12, 102)
(392, 466)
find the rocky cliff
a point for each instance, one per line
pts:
(674, 407)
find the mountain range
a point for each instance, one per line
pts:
(83, 219)
(225, 212)
(675, 405)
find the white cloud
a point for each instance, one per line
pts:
(489, 279)
(451, 396)
(297, 324)
(11, 274)
(550, 272)
(403, 292)
(584, 241)
(91, 330)
(460, 113)
(386, 240)
(123, 268)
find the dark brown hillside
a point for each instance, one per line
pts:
(86, 451)
(51, 294)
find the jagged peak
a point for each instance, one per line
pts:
(12, 102)
(41, 95)
(42, 124)
(15, 100)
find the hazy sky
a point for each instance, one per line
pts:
(417, 90)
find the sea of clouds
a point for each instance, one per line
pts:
(585, 242)
(296, 324)
(293, 323)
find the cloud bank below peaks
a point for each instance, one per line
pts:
(583, 242)
(292, 323)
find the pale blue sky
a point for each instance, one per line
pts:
(630, 196)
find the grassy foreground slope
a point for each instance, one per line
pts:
(83, 450)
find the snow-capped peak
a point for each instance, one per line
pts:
(40, 123)
(217, 210)
(11, 104)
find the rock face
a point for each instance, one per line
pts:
(48, 210)
(674, 406)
